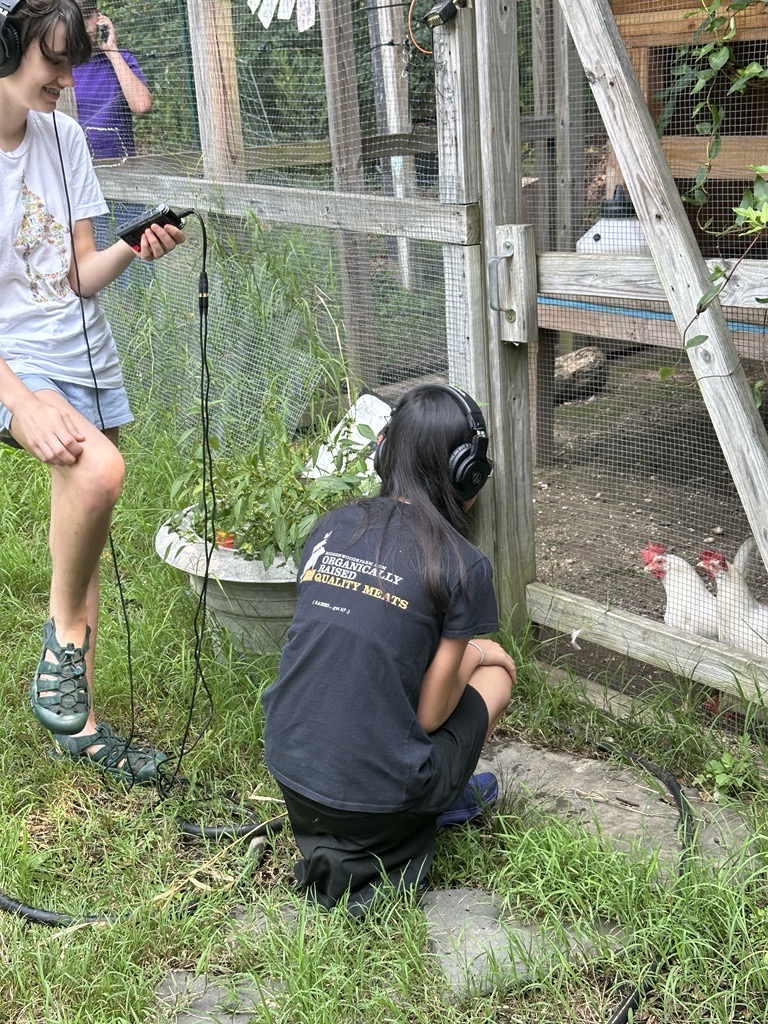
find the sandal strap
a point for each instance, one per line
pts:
(124, 761)
(59, 694)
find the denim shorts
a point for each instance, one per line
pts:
(105, 408)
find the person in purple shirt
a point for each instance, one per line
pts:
(109, 89)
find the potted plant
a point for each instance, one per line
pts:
(243, 534)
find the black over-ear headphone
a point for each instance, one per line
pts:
(10, 43)
(468, 465)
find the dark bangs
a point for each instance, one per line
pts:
(39, 19)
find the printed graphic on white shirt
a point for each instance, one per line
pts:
(43, 243)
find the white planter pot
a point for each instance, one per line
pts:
(255, 604)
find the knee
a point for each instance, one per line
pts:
(101, 479)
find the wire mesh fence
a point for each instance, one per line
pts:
(281, 307)
(354, 104)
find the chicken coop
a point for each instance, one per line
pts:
(528, 200)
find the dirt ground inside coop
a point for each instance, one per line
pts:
(637, 462)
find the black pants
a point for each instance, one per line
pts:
(359, 853)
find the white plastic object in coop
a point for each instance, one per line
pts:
(618, 229)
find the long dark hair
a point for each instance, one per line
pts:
(37, 19)
(425, 428)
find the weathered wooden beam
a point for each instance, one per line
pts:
(218, 100)
(681, 268)
(637, 636)
(382, 215)
(455, 63)
(687, 153)
(569, 143)
(645, 27)
(618, 276)
(508, 369)
(600, 320)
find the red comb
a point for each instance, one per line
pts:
(710, 555)
(651, 550)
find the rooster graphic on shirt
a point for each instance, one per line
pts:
(44, 250)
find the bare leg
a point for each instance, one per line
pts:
(83, 496)
(80, 524)
(494, 685)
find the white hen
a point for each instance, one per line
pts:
(690, 604)
(742, 621)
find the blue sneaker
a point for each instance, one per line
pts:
(480, 792)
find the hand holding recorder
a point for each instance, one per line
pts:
(142, 236)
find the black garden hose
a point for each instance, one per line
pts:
(58, 919)
(250, 828)
(635, 996)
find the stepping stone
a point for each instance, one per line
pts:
(629, 807)
(478, 949)
(202, 1000)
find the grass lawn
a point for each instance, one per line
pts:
(72, 842)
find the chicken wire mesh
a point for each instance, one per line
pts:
(635, 463)
(267, 94)
(240, 96)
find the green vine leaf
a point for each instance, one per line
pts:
(695, 342)
(720, 58)
(709, 296)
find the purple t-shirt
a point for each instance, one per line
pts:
(102, 110)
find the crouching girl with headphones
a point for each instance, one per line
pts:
(384, 696)
(61, 391)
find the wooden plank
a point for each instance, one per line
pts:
(625, 277)
(670, 28)
(336, 23)
(455, 68)
(723, 383)
(541, 358)
(650, 8)
(639, 637)
(218, 100)
(543, 108)
(686, 154)
(382, 215)
(569, 141)
(750, 340)
(509, 417)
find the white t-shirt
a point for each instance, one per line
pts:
(41, 326)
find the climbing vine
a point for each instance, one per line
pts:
(711, 69)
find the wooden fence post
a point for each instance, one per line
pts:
(455, 61)
(218, 98)
(509, 411)
(336, 21)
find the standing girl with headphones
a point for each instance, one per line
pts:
(61, 391)
(384, 695)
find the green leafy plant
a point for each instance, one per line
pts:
(267, 498)
(731, 771)
(712, 69)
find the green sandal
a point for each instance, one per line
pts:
(59, 694)
(125, 762)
